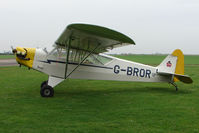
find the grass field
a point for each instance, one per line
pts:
(87, 106)
(7, 56)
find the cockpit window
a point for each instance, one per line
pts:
(76, 56)
(102, 59)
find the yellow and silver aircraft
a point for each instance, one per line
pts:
(78, 54)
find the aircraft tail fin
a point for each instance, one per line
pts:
(174, 65)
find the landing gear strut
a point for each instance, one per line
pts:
(46, 90)
(175, 85)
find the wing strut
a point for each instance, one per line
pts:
(67, 56)
(66, 76)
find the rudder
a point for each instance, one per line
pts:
(179, 64)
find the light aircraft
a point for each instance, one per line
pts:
(78, 54)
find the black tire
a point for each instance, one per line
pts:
(47, 91)
(44, 83)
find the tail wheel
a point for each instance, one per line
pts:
(47, 91)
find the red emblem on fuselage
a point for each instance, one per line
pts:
(169, 64)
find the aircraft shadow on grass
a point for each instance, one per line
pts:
(155, 90)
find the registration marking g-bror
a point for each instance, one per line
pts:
(133, 71)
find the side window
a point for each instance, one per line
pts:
(62, 54)
(97, 60)
(103, 60)
(92, 60)
(76, 56)
(58, 53)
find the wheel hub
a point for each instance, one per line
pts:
(47, 92)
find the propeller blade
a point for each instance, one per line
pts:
(13, 50)
(12, 47)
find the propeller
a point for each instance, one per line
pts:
(20, 54)
(13, 50)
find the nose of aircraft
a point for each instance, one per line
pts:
(24, 56)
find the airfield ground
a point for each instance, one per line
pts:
(8, 62)
(7, 56)
(85, 106)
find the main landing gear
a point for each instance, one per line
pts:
(46, 90)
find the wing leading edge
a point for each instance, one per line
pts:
(87, 37)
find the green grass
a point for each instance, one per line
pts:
(7, 56)
(82, 106)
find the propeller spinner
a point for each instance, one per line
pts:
(21, 53)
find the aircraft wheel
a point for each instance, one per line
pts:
(47, 91)
(44, 83)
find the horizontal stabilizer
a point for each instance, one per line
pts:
(183, 78)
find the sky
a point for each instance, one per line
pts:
(156, 26)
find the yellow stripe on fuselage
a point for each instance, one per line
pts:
(30, 55)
